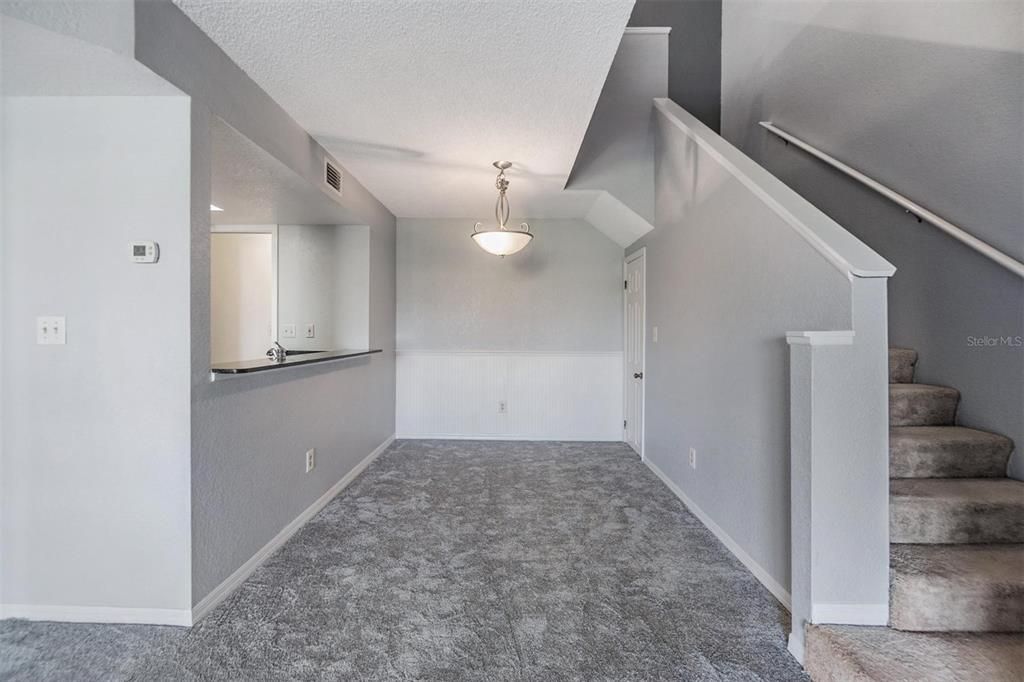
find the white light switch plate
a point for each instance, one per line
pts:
(310, 331)
(51, 330)
(287, 331)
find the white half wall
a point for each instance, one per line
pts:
(546, 395)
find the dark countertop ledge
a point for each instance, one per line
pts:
(266, 364)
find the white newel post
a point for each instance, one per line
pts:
(839, 467)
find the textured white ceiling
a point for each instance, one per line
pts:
(417, 97)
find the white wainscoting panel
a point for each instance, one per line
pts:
(548, 396)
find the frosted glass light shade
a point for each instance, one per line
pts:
(502, 242)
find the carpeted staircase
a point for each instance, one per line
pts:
(956, 524)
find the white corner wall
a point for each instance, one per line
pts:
(540, 331)
(96, 432)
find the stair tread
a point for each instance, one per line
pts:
(1002, 491)
(946, 452)
(923, 389)
(958, 435)
(850, 652)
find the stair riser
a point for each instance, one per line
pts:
(933, 409)
(931, 605)
(947, 452)
(901, 366)
(945, 464)
(916, 521)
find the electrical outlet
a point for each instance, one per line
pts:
(310, 459)
(51, 331)
(502, 407)
(693, 458)
(287, 331)
(310, 331)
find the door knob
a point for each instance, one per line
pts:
(638, 375)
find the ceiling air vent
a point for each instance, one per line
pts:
(332, 176)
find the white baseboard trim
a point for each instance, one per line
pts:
(186, 617)
(796, 648)
(97, 614)
(465, 436)
(521, 353)
(219, 593)
(850, 614)
(762, 575)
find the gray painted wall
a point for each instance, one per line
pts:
(695, 52)
(726, 279)
(306, 280)
(249, 436)
(96, 445)
(323, 278)
(617, 154)
(928, 98)
(3, 291)
(562, 293)
(352, 287)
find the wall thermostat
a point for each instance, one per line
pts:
(145, 252)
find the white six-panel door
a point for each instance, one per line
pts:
(633, 347)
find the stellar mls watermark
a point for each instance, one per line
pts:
(995, 341)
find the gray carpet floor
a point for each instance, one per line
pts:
(457, 560)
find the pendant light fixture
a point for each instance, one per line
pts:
(501, 241)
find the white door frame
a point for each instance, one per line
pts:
(639, 253)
